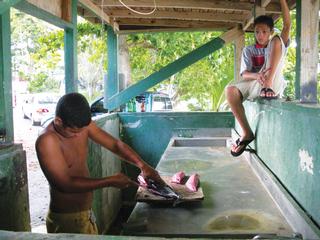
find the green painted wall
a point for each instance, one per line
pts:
(149, 133)
(14, 202)
(288, 140)
(102, 163)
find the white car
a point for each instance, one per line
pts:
(38, 106)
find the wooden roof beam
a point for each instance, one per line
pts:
(177, 23)
(232, 34)
(194, 4)
(160, 14)
(89, 5)
(265, 3)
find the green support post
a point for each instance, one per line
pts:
(111, 81)
(70, 49)
(167, 71)
(6, 113)
(298, 49)
(6, 5)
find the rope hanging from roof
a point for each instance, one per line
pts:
(141, 13)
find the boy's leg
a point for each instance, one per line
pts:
(234, 98)
(275, 56)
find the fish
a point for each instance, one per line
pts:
(178, 177)
(159, 189)
(193, 182)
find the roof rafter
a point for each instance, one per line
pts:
(194, 4)
(162, 14)
(177, 23)
(88, 4)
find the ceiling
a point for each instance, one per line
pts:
(127, 16)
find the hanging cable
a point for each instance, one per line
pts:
(141, 13)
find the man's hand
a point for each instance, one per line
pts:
(149, 172)
(122, 181)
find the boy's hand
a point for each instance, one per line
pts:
(262, 76)
(122, 181)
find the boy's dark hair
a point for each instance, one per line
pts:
(264, 19)
(74, 110)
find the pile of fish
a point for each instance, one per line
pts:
(193, 181)
(157, 188)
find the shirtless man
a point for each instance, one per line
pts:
(62, 150)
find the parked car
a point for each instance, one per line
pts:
(145, 102)
(38, 106)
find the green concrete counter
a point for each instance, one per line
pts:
(236, 203)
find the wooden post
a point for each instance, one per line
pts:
(111, 81)
(70, 49)
(6, 114)
(66, 9)
(308, 50)
(238, 47)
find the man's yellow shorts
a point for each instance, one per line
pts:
(77, 222)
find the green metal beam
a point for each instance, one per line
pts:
(33, 10)
(6, 114)
(164, 73)
(6, 5)
(298, 49)
(70, 50)
(111, 81)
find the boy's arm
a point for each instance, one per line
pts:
(123, 150)
(285, 34)
(250, 76)
(246, 64)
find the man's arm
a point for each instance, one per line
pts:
(122, 150)
(285, 34)
(56, 170)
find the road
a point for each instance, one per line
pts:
(39, 198)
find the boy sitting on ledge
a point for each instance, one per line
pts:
(261, 72)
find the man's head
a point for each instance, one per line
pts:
(263, 29)
(73, 110)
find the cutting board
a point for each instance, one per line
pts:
(143, 195)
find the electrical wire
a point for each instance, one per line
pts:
(141, 13)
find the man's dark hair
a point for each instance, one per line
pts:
(74, 110)
(264, 19)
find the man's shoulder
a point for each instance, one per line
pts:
(46, 136)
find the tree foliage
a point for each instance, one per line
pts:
(202, 82)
